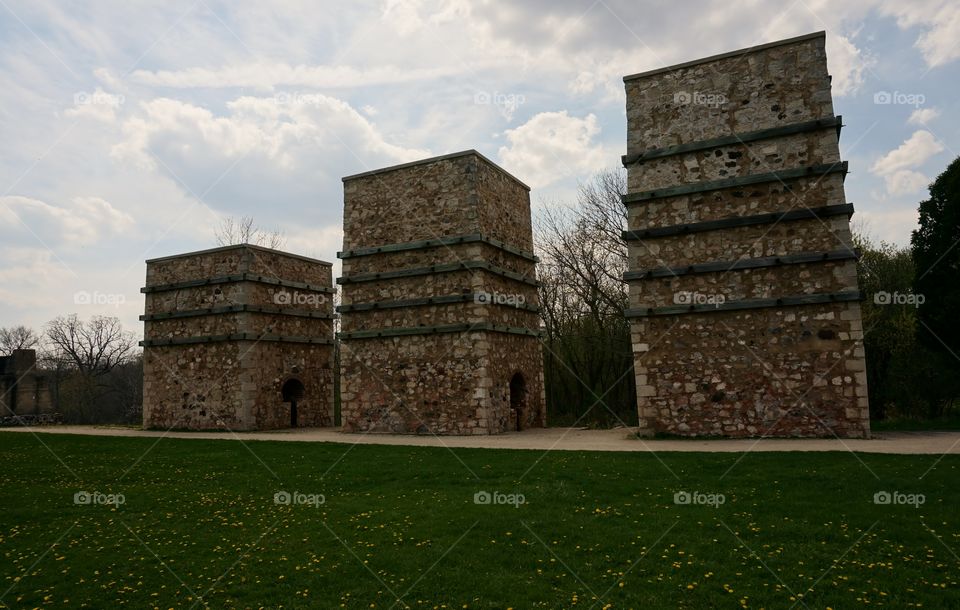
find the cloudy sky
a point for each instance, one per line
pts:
(130, 129)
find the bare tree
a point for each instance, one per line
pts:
(582, 298)
(93, 348)
(88, 360)
(583, 249)
(17, 337)
(245, 231)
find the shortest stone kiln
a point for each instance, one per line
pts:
(237, 338)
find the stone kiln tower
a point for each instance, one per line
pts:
(237, 338)
(439, 325)
(25, 391)
(743, 287)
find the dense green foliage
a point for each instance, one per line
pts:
(911, 335)
(937, 258)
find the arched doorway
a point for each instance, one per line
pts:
(518, 398)
(293, 392)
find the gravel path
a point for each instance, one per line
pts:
(565, 439)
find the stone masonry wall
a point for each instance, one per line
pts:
(742, 325)
(733, 93)
(436, 352)
(765, 198)
(226, 329)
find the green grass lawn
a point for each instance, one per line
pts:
(399, 527)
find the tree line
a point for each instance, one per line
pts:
(911, 335)
(94, 367)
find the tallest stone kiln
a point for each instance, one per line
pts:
(743, 285)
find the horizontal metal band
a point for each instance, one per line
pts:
(470, 297)
(844, 209)
(234, 337)
(432, 330)
(436, 243)
(725, 183)
(445, 268)
(276, 310)
(803, 299)
(732, 140)
(747, 263)
(240, 277)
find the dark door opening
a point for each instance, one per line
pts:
(292, 392)
(518, 390)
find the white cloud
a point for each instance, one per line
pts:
(847, 64)
(405, 15)
(87, 221)
(906, 181)
(286, 130)
(267, 76)
(109, 79)
(913, 152)
(98, 105)
(399, 78)
(940, 20)
(897, 166)
(26, 277)
(552, 146)
(922, 116)
(892, 224)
